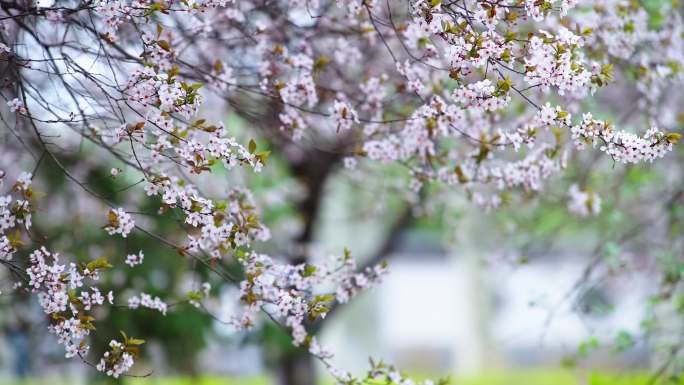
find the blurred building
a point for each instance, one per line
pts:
(459, 312)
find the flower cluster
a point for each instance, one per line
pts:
(133, 260)
(557, 61)
(119, 222)
(17, 105)
(379, 372)
(623, 146)
(289, 292)
(162, 92)
(56, 285)
(15, 213)
(119, 358)
(344, 115)
(583, 202)
(221, 226)
(481, 95)
(147, 301)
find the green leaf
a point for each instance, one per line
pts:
(587, 346)
(100, 263)
(309, 270)
(263, 156)
(194, 296)
(673, 137)
(175, 70)
(163, 44)
(135, 341)
(623, 341)
(321, 62)
(324, 298)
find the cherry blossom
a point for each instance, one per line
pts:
(487, 98)
(147, 301)
(118, 360)
(120, 222)
(133, 260)
(583, 202)
(17, 105)
(345, 116)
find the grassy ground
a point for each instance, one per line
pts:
(518, 377)
(555, 377)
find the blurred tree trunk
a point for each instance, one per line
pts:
(313, 167)
(313, 171)
(297, 369)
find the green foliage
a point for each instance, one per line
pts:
(623, 341)
(587, 346)
(556, 377)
